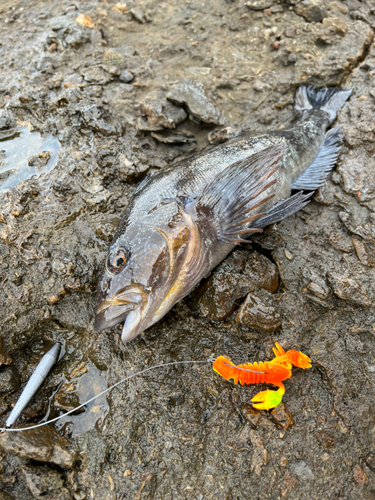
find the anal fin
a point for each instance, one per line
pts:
(283, 209)
(316, 173)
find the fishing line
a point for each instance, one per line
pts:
(172, 363)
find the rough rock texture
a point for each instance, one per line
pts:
(43, 444)
(186, 433)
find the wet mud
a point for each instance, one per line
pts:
(103, 93)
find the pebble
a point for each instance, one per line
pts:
(360, 477)
(282, 416)
(39, 160)
(320, 291)
(302, 470)
(160, 112)
(254, 313)
(250, 414)
(85, 20)
(43, 444)
(312, 11)
(258, 4)
(126, 76)
(276, 8)
(288, 255)
(138, 15)
(348, 289)
(127, 473)
(276, 45)
(365, 252)
(192, 95)
(291, 32)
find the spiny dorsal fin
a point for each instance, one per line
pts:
(235, 193)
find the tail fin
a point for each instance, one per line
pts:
(329, 100)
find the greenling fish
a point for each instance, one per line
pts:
(185, 219)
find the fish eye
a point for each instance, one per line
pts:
(117, 260)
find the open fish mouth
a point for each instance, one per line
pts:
(110, 312)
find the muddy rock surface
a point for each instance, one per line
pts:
(93, 96)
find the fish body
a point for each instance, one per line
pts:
(184, 220)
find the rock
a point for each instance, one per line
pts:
(276, 8)
(41, 481)
(302, 470)
(147, 488)
(258, 315)
(39, 160)
(126, 76)
(319, 289)
(250, 414)
(359, 476)
(138, 15)
(312, 10)
(9, 380)
(160, 112)
(5, 359)
(43, 444)
(348, 289)
(291, 32)
(130, 171)
(193, 96)
(282, 416)
(258, 4)
(85, 20)
(365, 251)
(242, 272)
(95, 74)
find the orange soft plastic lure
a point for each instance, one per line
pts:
(270, 372)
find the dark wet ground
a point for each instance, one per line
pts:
(101, 90)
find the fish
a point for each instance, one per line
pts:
(185, 219)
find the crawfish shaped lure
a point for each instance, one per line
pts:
(271, 372)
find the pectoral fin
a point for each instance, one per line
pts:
(234, 194)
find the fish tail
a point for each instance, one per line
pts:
(329, 100)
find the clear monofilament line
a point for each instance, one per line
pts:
(172, 363)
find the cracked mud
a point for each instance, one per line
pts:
(100, 93)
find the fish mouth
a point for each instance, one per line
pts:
(127, 302)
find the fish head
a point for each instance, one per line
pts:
(141, 279)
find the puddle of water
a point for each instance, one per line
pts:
(81, 389)
(16, 149)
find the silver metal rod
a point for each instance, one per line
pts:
(35, 381)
